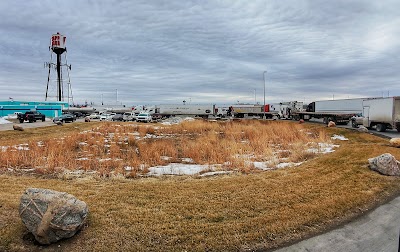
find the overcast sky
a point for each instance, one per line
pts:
(160, 52)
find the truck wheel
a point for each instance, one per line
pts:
(325, 120)
(21, 121)
(380, 127)
(43, 119)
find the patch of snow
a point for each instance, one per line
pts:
(188, 119)
(166, 158)
(177, 169)
(3, 120)
(21, 147)
(290, 164)
(339, 137)
(187, 160)
(323, 148)
(262, 166)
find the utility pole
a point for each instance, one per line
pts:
(264, 95)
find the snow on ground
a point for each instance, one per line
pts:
(290, 164)
(262, 166)
(176, 120)
(177, 169)
(323, 148)
(3, 120)
(339, 137)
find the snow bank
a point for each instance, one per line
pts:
(3, 120)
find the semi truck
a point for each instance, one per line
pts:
(380, 113)
(282, 110)
(339, 111)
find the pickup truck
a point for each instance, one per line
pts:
(144, 117)
(31, 116)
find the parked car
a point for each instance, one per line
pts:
(78, 114)
(65, 118)
(143, 117)
(31, 116)
(94, 116)
(128, 116)
(107, 116)
(117, 117)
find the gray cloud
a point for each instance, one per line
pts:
(203, 51)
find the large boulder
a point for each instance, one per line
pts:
(16, 127)
(51, 215)
(385, 164)
(395, 142)
(331, 124)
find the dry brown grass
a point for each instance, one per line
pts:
(227, 213)
(110, 148)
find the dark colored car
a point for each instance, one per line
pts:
(78, 114)
(118, 117)
(64, 118)
(31, 116)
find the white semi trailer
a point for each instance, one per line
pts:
(186, 109)
(339, 111)
(382, 113)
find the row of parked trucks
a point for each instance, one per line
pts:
(381, 112)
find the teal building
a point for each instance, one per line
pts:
(50, 109)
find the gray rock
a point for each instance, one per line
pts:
(361, 128)
(385, 164)
(50, 215)
(16, 127)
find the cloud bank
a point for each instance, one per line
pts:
(155, 52)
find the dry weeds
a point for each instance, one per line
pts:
(130, 149)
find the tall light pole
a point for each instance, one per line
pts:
(255, 98)
(264, 95)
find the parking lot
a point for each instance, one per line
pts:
(26, 125)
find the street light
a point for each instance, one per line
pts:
(264, 94)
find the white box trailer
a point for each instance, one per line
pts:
(382, 113)
(339, 111)
(350, 106)
(186, 109)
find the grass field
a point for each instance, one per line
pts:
(246, 210)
